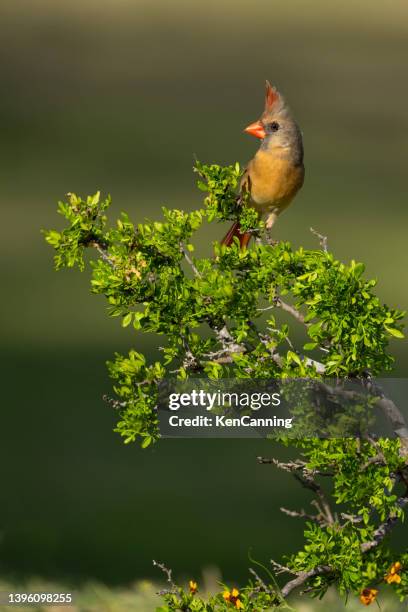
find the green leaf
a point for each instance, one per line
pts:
(127, 319)
(394, 332)
(309, 346)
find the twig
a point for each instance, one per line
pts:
(378, 459)
(260, 582)
(322, 239)
(303, 576)
(351, 518)
(302, 514)
(291, 466)
(320, 367)
(279, 303)
(116, 404)
(168, 574)
(281, 569)
(227, 342)
(102, 252)
(307, 481)
(190, 261)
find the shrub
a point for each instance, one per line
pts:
(220, 318)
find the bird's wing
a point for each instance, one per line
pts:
(246, 183)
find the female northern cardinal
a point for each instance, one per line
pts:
(274, 176)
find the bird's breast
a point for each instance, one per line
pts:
(274, 181)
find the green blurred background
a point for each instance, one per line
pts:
(119, 95)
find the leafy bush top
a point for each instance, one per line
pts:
(220, 318)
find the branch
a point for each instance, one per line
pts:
(169, 578)
(397, 421)
(102, 252)
(320, 367)
(279, 303)
(306, 479)
(309, 483)
(380, 533)
(265, 339)
(384, 529)
(227, 341)
(316, 518)
(190, 261)
(322, 239)
(291, 466)
(260, 582)
(115, 403)
(386, 405)
(281, 569)
(303, 576)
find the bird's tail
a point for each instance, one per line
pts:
(235, 230)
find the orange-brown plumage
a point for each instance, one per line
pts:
(276, 173)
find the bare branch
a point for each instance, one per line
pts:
(168, 574)
(279, 303)
(316, 518)
(351, 518)
(281, 569)
(291, 466)
(320, 367)
(116, 404)
(303, 576)
(190, 261)
(322, 239)
(260, 582)
(306, 480)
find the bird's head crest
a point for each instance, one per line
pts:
(273, 99)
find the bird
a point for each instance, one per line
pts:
(276, 173)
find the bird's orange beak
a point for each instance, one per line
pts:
(256, 129)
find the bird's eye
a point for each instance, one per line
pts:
(274, 126)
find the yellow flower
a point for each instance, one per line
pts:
(233, 598)
(393, 575)
(390, 578)
(367, 596)
(193, 587)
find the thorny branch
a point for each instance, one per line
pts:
(168, 573)
(322, 239)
